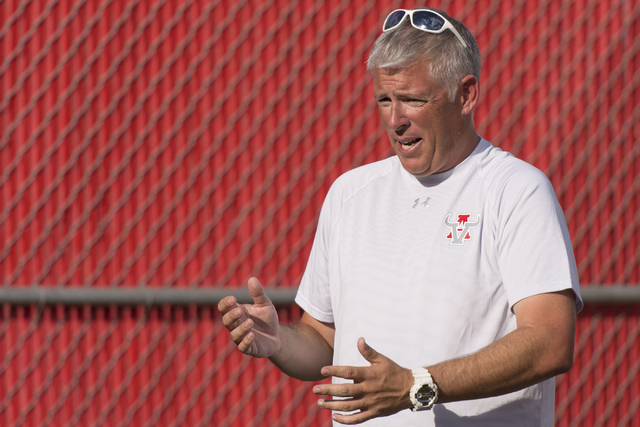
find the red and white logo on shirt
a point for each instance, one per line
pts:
(461, 229)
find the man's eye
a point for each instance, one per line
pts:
(416, 102)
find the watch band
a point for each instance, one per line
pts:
(424, 391)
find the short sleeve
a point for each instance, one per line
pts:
(534, 249)
(314, 295)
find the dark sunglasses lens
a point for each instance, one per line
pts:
(427, 20)
(394, 19)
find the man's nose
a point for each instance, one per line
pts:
(398, 120)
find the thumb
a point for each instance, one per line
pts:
(369, 353)
(257, 292)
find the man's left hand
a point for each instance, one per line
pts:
(378, 390)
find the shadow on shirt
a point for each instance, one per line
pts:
(524, 412)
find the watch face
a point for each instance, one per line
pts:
(425, 394)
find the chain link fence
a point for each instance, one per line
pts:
(185, 145)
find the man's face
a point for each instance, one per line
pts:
(422, 125)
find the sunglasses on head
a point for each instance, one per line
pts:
(421, 19)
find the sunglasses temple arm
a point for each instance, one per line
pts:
(453, 29)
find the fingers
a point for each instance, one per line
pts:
(234, 312)
(369, 353)
(243, 336)
(232, 316)
(245, 345)
(226, 304)
(257, 292)
(253, 327)
(356, 418)
(342, 405)
(377, 390)
(338, 390)
(239, 332)
(356, 374)
(356, 410)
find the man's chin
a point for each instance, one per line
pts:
(415, 169)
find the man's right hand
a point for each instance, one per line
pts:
(254, 327)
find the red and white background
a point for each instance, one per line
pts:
(153, 146)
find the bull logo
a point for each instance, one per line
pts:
(460, 230)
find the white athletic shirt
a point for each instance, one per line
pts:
(428, 269)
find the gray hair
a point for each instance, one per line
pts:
(446, 60)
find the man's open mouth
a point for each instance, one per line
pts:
(409, 143)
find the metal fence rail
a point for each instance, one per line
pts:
(40, 295)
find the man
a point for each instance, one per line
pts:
(452, 259)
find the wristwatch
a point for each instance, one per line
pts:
(424, 391)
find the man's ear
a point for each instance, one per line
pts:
(469, 93)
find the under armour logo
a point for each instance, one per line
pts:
(424, 204)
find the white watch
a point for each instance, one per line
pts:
(424, 391)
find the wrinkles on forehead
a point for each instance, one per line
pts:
(396, 67)
(419, 69)
(391, 71)
(406, 82)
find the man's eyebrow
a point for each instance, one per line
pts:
(405, 95)
(411, 95)
(400, 94)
